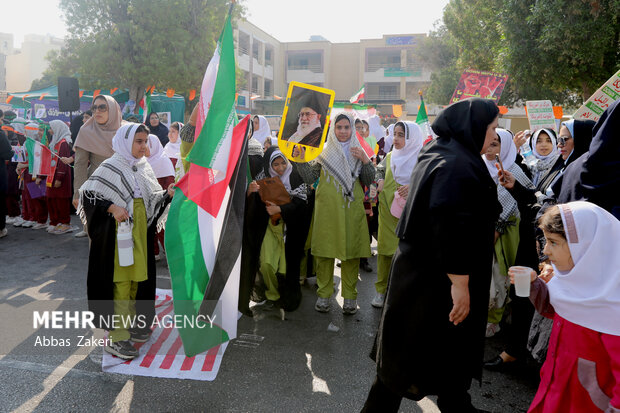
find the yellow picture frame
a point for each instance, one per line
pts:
(292, 134)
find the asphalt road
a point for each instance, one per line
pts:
(310, 362)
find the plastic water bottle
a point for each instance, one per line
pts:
(526, 151)
(125, 244)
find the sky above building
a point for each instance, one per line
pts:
(286, 20)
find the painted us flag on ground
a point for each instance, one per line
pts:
(163, 356)
(205, 222)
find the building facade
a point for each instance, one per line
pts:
(386, 67)
(27, 64)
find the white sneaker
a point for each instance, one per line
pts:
(51, 228)
(322, 305)
(10, 220)
(3, 233)
(28, 224)
(62, 229)
(18, 221)
(81, 234)
(39, 226)
(349, 307)
(378, 301)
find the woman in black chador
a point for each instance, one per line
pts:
(431, 335)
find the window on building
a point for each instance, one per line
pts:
(388, 58)
(244, 44)
(268, 88)
(268, 55)
(255, 85)
(312, 61)
(388, 92)
(257, 45)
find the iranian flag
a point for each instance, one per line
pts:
(359, 95)
(422, 121)
(205, 221)
(39, 158)
(145, 103)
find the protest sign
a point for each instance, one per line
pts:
(305, 121)
(18, 154)
(48, 110)
(540, 114)
(600, 100)
(479, 84)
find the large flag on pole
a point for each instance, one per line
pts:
(422, 121)
(359, 95)
(39, 158)
(205, 221)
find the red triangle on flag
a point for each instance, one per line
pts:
(199, 183)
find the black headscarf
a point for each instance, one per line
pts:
(466, 121)
(160, 130)
(595, 175)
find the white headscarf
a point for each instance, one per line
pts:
(19, 124)
(404, 160)
(122, 142)
(264, 131)
(336, 158)
(589, 294)
(173, 149)
(161, 164)
(122, 177)
(375, 128)
(389, 138)
(32, 131)
(545, 163)
(61, 131)
(286, 176)
(508, 153)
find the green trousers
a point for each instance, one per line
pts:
(349, 271)
(384, 263)
(124, 307)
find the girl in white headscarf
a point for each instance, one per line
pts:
(172, 150)
(59, 183)
(393, 175)
(38, 206)
(507, 227)
(544, 147)
(123, 188)
(164, 172)
(339, 229)
(262, 131)
(582, 367)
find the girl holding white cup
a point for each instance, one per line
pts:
(583, 298)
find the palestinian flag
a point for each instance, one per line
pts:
(39, 158)
(422, 121)
(205, 221)
(359, 95)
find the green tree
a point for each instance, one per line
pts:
(561, 50)
(137, 43)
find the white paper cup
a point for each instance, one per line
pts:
(522, 280)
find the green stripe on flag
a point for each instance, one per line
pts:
(184, 254)
(422, 116)
(222, 104)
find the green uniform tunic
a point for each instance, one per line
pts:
(339, 227)
(506, 252)
(126, 278)
(272, 258)
(388, 241)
